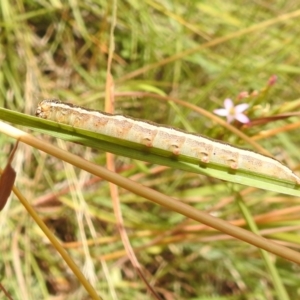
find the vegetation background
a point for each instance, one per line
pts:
(198, 51)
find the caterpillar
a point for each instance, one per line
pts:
(174, 141)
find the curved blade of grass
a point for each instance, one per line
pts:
(67, 258)
(270, 264)
(157, 156)
(152, 195)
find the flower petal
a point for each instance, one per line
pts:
(228, 104)
(241, 107)
(230, 118)
(242, 118)
(221, 112)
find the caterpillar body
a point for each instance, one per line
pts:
(177, 142)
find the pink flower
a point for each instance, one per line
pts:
(272, 80)
(232, 112)
(242, 95)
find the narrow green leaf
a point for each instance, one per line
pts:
(153, 155)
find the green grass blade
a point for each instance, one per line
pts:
(136, 151)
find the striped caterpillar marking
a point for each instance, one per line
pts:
(175, 141)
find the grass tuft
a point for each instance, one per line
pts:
(200, 52)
